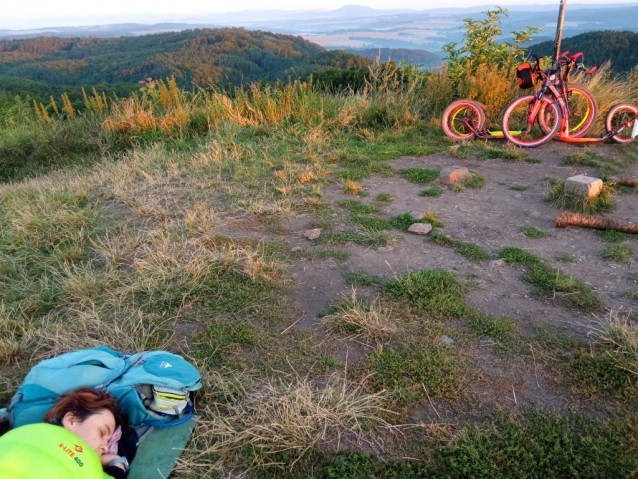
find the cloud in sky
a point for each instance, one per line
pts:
(41, 13)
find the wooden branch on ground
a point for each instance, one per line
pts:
(626, 180)
(595, 222)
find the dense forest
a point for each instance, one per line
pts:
(229, 56)
(621, 48)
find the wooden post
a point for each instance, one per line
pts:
(559, 28)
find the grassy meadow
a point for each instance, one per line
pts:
(116, 228)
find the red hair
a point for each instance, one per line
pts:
(82, 403)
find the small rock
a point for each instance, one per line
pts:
(417, 215)
(497, 263)
(487, 341)
(446, 340)
(296, 249)
(420, 228)
(313, 234)
(582, 185)
(385, 248)
(453, 174)
(518, 195)
(314, 287)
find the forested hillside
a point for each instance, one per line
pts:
(200, 57)
(398, 55)
(621, 48)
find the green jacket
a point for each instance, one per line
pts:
(40, 451)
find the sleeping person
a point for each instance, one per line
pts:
(83, 436)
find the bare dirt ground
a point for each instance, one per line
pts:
(491, 218)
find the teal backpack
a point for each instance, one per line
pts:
(128, 377)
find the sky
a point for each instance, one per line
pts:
(42, 13)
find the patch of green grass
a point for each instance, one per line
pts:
(361, 278)
(603, 203)
(519, 188)
(632, 294)
(475, 181)
(611, 236)
(497, 328)
(354, 175)
(404, 221)
(326, 364)
(533, 161)
(348, 204)
(605, 166)
(220, 336)
(430, 291)
(535, 445)
(365, 238)
(566, 258)
(420, 175)
(323, 224)
(619, 253)
(539, 445)
(363, 209)
(462, 152)
(406, 370)
(600, 374)
(469, 250)
(384, 197)
(550, 281)
(518, 255)
(493, 152)
(322, 254)
(435, 191)
(625, 190)
(372, 223)
(533, 232)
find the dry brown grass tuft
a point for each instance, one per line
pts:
(618, 335)
(358, 318)
(249, 428)
(608, 91)
(351, 187)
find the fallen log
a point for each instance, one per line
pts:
(626, 180)
(595, 222)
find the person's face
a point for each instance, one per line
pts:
(95, 430)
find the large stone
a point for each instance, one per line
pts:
(584, 186)
(420, 228)
(453, 174)
(313, 234)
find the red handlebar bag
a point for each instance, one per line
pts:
(525, 76)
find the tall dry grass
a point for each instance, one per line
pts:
(256, 425)
(617, 334)
(357, 318)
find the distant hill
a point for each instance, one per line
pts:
(621, 48)
(398, 55)
(194, 57)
